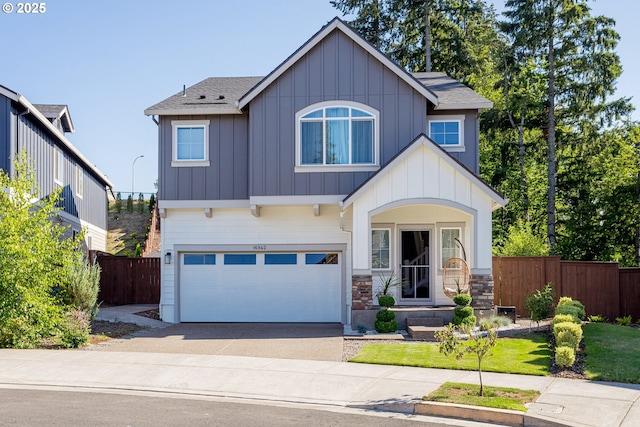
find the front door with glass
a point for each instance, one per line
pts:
(415, 266)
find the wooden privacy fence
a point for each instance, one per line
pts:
(125, 280)
(602, 287)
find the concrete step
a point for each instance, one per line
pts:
(425, 321)
(423, 332)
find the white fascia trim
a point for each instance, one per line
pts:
(202, 204)
(80, 222)
(192, 111)
(295, 200)
(9, 93)
(423, 140)
(65, 142)
(464, 106)
(304, 49)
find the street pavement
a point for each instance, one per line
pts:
(329, 384)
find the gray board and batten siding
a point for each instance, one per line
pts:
(225, 178)
(41, 148)
(252, 151)
(5, 133)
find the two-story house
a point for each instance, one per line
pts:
(284, 198)
(40, 131)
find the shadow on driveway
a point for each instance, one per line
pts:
(306, 341)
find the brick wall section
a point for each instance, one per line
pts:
(482, 291)
(362, 292)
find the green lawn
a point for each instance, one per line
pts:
(613, 352)
(530, 356)
(494, 397)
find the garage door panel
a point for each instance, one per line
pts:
(261, 293)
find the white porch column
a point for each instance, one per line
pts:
(360, 240)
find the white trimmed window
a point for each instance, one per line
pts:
(450, 238)
(380, 248)
(337, 136)
(58, 167)
(447, 131)
(79, 181)
(190, 143)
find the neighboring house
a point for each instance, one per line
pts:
(40, 131)
(284, 198)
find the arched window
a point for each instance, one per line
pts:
(337, 134)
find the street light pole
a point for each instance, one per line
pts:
(132, 173)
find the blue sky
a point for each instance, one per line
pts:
(108, 60)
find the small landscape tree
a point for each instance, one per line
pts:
(478, 343)
(35, 258)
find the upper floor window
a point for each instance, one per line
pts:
(337, 134)
(447, 131)
(190, 143)
(58, 167)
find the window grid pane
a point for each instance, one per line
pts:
(190, 143)
(380, 249)
(450, 248)
(337, 136)
(311, 259)
(445, 133)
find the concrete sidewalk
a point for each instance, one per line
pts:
(332, 384)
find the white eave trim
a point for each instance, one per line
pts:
(65, 142)
(304, 49)
(295, 200)
(202, 204)
(191, 111)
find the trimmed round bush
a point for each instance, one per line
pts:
(565, 356)
(571, 328)
(386, 301)
(462, 299)
(386, 327)
(385, 315)
(468, 320)
(463, 311)
(566, 305)
(567, 339)
(561, 318)
(569, 310)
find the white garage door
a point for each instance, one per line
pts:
(260, 287)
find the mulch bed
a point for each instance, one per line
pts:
(151, 314)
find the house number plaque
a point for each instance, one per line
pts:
(259, 247)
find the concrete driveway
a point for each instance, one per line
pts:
(306, 341)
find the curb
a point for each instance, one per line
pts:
(486, 415)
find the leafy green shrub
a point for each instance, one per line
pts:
(385, 315)
(565, 356)
(567, 339)
(462, 299)
(597, 318)
(570, 327)
(152, 202)
(578, 308)
(569, 310)
(386, 327)
(522, 240)
(75, 329)
(494, 322)
(540, 303)
(385, 321)
(386, 301)
(118, 202)
(81, 288)
(624, 321)
(463, 311)
(561, 318)
(140, 202)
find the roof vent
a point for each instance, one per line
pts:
(184, 90)
(202, 97)
(220, 96)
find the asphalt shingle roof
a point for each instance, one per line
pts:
(451, 93)
(215, 95)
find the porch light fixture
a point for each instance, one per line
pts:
(167, 257)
